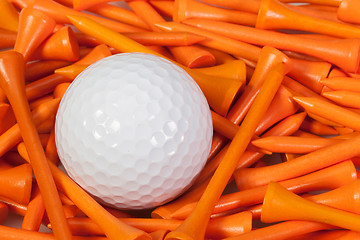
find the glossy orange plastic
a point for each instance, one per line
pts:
(72, 71)
(99, 52)
(219, 92)
(333, 234)
(161, 50)
(307, 130)
(16, 183)
(302, 133)
(216, 41)
(41, 69)
(149, 39)
(147, 13)
(159, 234)
(7, 117)
(300, 56)
(312, 126)
(14, 207)
(345, 198)
(317, 11)
(336, 72)
(279, 206)
(286, 127)
(330, 111)
(236, 48)
(16, 233)
(59, 12)
(333, 3)
(9, 16)
(164, 7)
(37, 102)
(310, 73)
(34, 27)
(221, 57)
(12, 82)
(235, 69)
(325, 179)
(342, 83)
(203, 57)
(281, 107)
(34, 212)
(229, 129)
(12, 136)
(284, 230)
(86, 41)
(230, 225)
(290, 144)
(344, 130)
(193, 194)
(62, 45)
(251, 177)
(297, 89)
(46, 127)
(119, 14)
(341, 52)
(7, 38)
(110, 225)
(344, 98)
(267, 59)
(44, 86)
(195, 224)
(254, 5)
(275, 15)
(223, 126)
(324, 121)
(248, 6)
(218, 228)
(189, 56)
(185, 9)
(60, 90)
(165, 38)
(85, 4)
(347, 11)
(50, 149)
(117, 213)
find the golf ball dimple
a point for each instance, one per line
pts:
(133, 130)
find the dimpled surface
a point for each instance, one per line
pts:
(133, 130)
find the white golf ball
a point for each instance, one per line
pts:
(133, 130)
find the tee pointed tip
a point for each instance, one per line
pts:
(303, 101)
